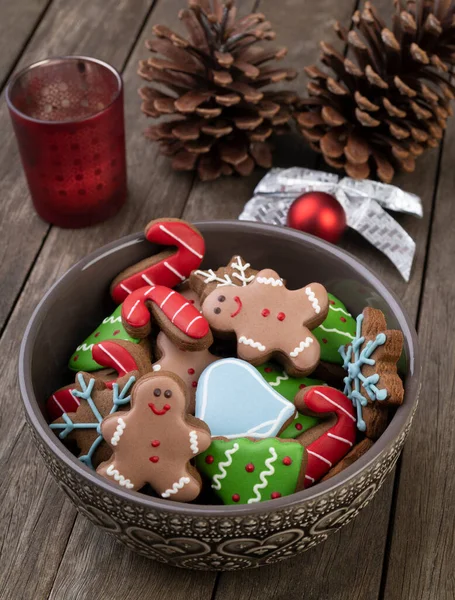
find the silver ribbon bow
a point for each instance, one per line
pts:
(363, 202)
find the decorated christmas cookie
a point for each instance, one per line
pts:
(110, 329)
(245, 471)
(235, 401)
(83, 426)
(124, 357)
(270, 321)
(334, 437)
(337, 330)
(187, 365)
(168, 268)
(372, 381)
(173, 313)
(236, 273)
(154, 441)
(288, 387)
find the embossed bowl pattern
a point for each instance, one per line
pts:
(192, 535)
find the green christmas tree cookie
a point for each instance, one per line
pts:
(110, 329)
(288, 387)
(337, 330)
(244, 471)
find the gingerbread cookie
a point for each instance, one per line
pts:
(245, 471)
(235, 401)
(236, 273)
(175, 315)
(110, 329)
(334, 437)
(337, 329)
(154, 442)
(190, 295)
(288, 387)
(83, 426)
(187, 365)
(359, 450)
(168, 268)
(270, 321)
(372, 382)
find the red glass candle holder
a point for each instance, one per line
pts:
(67, 114)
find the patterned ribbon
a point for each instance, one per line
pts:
(363, 202)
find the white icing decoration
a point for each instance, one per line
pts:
(174, 270)
(310, 478)
(335, 404)
(84, 347)
(252, 343)
(118, 432)
(193, 442)
(180, 241)
(345, 333)
(340, 310)
(301, 347)
(156, 367)
(263, 476)
(112, 320)
(133, 309)
(120, 478)
(222, 474)
(189, 325)
(320, 457)
(340, 439)
(210, 276)
(241, 268)
(279, 379)
(176, 487)
(270, 281)
(312, 298)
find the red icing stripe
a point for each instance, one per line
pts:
(172, 270)
(335, 443)
(112, 355)
(175, 307)
(61, 401)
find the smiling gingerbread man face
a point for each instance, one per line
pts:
(271, 321)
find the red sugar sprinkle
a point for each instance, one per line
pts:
(249, 468)
(332, 302)
(235, 497)
(154, 459)
(268, 370)
(194, 384)
(116, 332)
(342, 319)
(298, 426)
(156, 443)
(281, 316)
(324, 341)
(265, 312)
(75, 358)
(97, 334)
(275, 495)
(287, 460)
(209, 459)
(190, 371)
(301, 386)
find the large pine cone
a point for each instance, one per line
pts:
(211, 84)
(390, 99)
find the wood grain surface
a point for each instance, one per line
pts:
(401, 546)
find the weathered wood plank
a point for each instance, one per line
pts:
(422, 553)
(102, 28)
(18, 19)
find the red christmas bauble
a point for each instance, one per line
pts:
(318, 213)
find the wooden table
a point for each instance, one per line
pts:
(402, 545)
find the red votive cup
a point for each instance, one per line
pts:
(67, 114)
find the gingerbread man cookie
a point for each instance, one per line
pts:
(154, 441)
(372, 381)
(187, 365)
(236, 273)
(270, 321)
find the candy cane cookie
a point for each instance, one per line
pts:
(168, 268)
(124, 357)
(331, 440)
(174, 314)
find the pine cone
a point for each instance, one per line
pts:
(212, 85)
(383, 108)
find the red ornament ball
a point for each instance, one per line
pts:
(318, 213)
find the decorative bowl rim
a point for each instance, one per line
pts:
(380, 447)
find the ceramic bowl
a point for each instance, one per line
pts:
(200, 536)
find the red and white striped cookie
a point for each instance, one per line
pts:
(122, 356)
(175, 315)
(337, 440)
(168, 268)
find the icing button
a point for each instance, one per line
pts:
(235, 497)
(209, 459)
(154, 459)
(275, 495)
(265, 312)
(281, 316)
(190, 371)
(249, 468)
